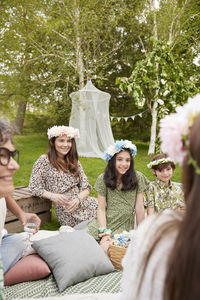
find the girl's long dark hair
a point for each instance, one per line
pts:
(70, 162)
(129, 179)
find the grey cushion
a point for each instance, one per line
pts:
(73, 257)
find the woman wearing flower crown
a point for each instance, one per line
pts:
(163, 261)
(59, 177)
(120, 194)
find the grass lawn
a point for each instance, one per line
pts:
(32, 146)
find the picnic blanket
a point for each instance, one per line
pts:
(97, 296)
(109, 283)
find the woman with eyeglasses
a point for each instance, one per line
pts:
(11, 245)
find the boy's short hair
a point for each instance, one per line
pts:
(162, 165)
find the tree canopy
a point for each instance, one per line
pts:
(51, 48)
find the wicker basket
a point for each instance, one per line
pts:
(116, 255)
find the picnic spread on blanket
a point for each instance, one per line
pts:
(51, 268)
(66, 270)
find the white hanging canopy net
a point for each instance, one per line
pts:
(90, 114)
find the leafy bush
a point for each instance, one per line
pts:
(36, 122)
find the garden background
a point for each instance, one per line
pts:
(145, 53)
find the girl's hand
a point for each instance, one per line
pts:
(72, 205)
(105, 243)
(105, 238)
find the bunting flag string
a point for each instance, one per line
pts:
(128, 117)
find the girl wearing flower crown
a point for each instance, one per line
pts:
(59, 177)
(163, 261)
(120, 194)
(162, 193)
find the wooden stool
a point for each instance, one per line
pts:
(29, 204)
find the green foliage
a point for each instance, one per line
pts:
(36, 122)
(59, 112)
(41, 58)
(158, 76)
(137, 129)
(49, 40)
(159, 83)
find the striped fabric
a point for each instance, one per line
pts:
(47, 287)
(1, 281)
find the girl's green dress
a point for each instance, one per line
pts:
(120, 210)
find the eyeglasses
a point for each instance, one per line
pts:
(6, 154)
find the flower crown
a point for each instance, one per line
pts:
(174, 130)
(61, 130)
(119, 146)
(160, 161)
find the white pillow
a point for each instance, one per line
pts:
(41, 234)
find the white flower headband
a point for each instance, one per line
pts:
(159, 162)
(119, 146)
(174, 130)
(56, 131)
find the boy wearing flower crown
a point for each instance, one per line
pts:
(162, 193)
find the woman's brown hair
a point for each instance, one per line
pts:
(183, 275)
(70, 162)
(183, 268)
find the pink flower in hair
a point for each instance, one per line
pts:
(171, 132)
(56, 131)
(174, 128)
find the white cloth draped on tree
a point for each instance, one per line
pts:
(90, 114)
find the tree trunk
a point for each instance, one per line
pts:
(155, 31)
(155, 103)
(79, 53)
(19, 120)
(153, 128)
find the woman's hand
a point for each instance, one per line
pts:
(72, 205)
(25, 216)
(58, 198)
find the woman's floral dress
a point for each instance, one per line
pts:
(46, 177)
